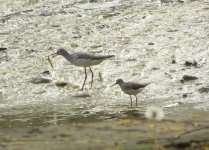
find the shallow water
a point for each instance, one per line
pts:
(143, 35)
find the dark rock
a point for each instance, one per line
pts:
(185, 95)
(93, 1)
(191, 63)
(144, 17)
(3, 48)
(166, 1)
(45, 14)
(64, 135)
(34, 130)
(204, 89)
(61, 84)
(182, 81)
(46, 72)
(188, 78)
(180, 1)
(188, 63)
(171, 30)
(82, 95)
(40, 80)
(173, 59)
(151, 43)
(55, 25)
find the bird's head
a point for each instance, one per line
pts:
(118, 81)
(60, 51)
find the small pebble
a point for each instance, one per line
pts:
(61, 84)
(204, 89)
(46, 72)
(151, 43)
(185, 95)
(188, 63)
(188, 78)
(82, 95)
(34, 130)
(3, 48)
(40, 80)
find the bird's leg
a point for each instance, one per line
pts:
(131, 101)
(84, 79)
(92, 77)
(136, 100)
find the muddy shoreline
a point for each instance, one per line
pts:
(128, 133)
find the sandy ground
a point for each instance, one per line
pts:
(143, 35)
(123, 134)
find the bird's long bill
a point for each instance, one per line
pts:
(113, 84)
(50, 62)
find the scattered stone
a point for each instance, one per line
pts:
(40, 80)
(191, 63)
(188, 78)
(73, 45)
(151, 43)
(180, 1)
(76, 36)
(155, 68)
(82, 95)
(64, 135)
(93, 1)
(116, 144)
(34, 130)
(204, 89)
(173, 59)
(100, 27)
(55, 25)
(171, 30)
(144, 17)
(47, 72)
(3, 48)
(188, 63)
(185, 95)
(166, 1)
(61, 84)
(45, 14)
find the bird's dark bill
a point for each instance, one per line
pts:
(50, 62)
(113, 84)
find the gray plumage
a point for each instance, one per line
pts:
(130, 88)
(83, 60)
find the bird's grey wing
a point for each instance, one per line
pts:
(92, 57)
(136, 86)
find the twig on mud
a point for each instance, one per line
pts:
(194, 130)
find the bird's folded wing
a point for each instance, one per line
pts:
(136, 86)
(92, 57)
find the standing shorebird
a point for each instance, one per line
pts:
(130, 88)
(83, 60)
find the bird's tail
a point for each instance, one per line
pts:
(105, 57)
(109, 56)
(146, 84)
